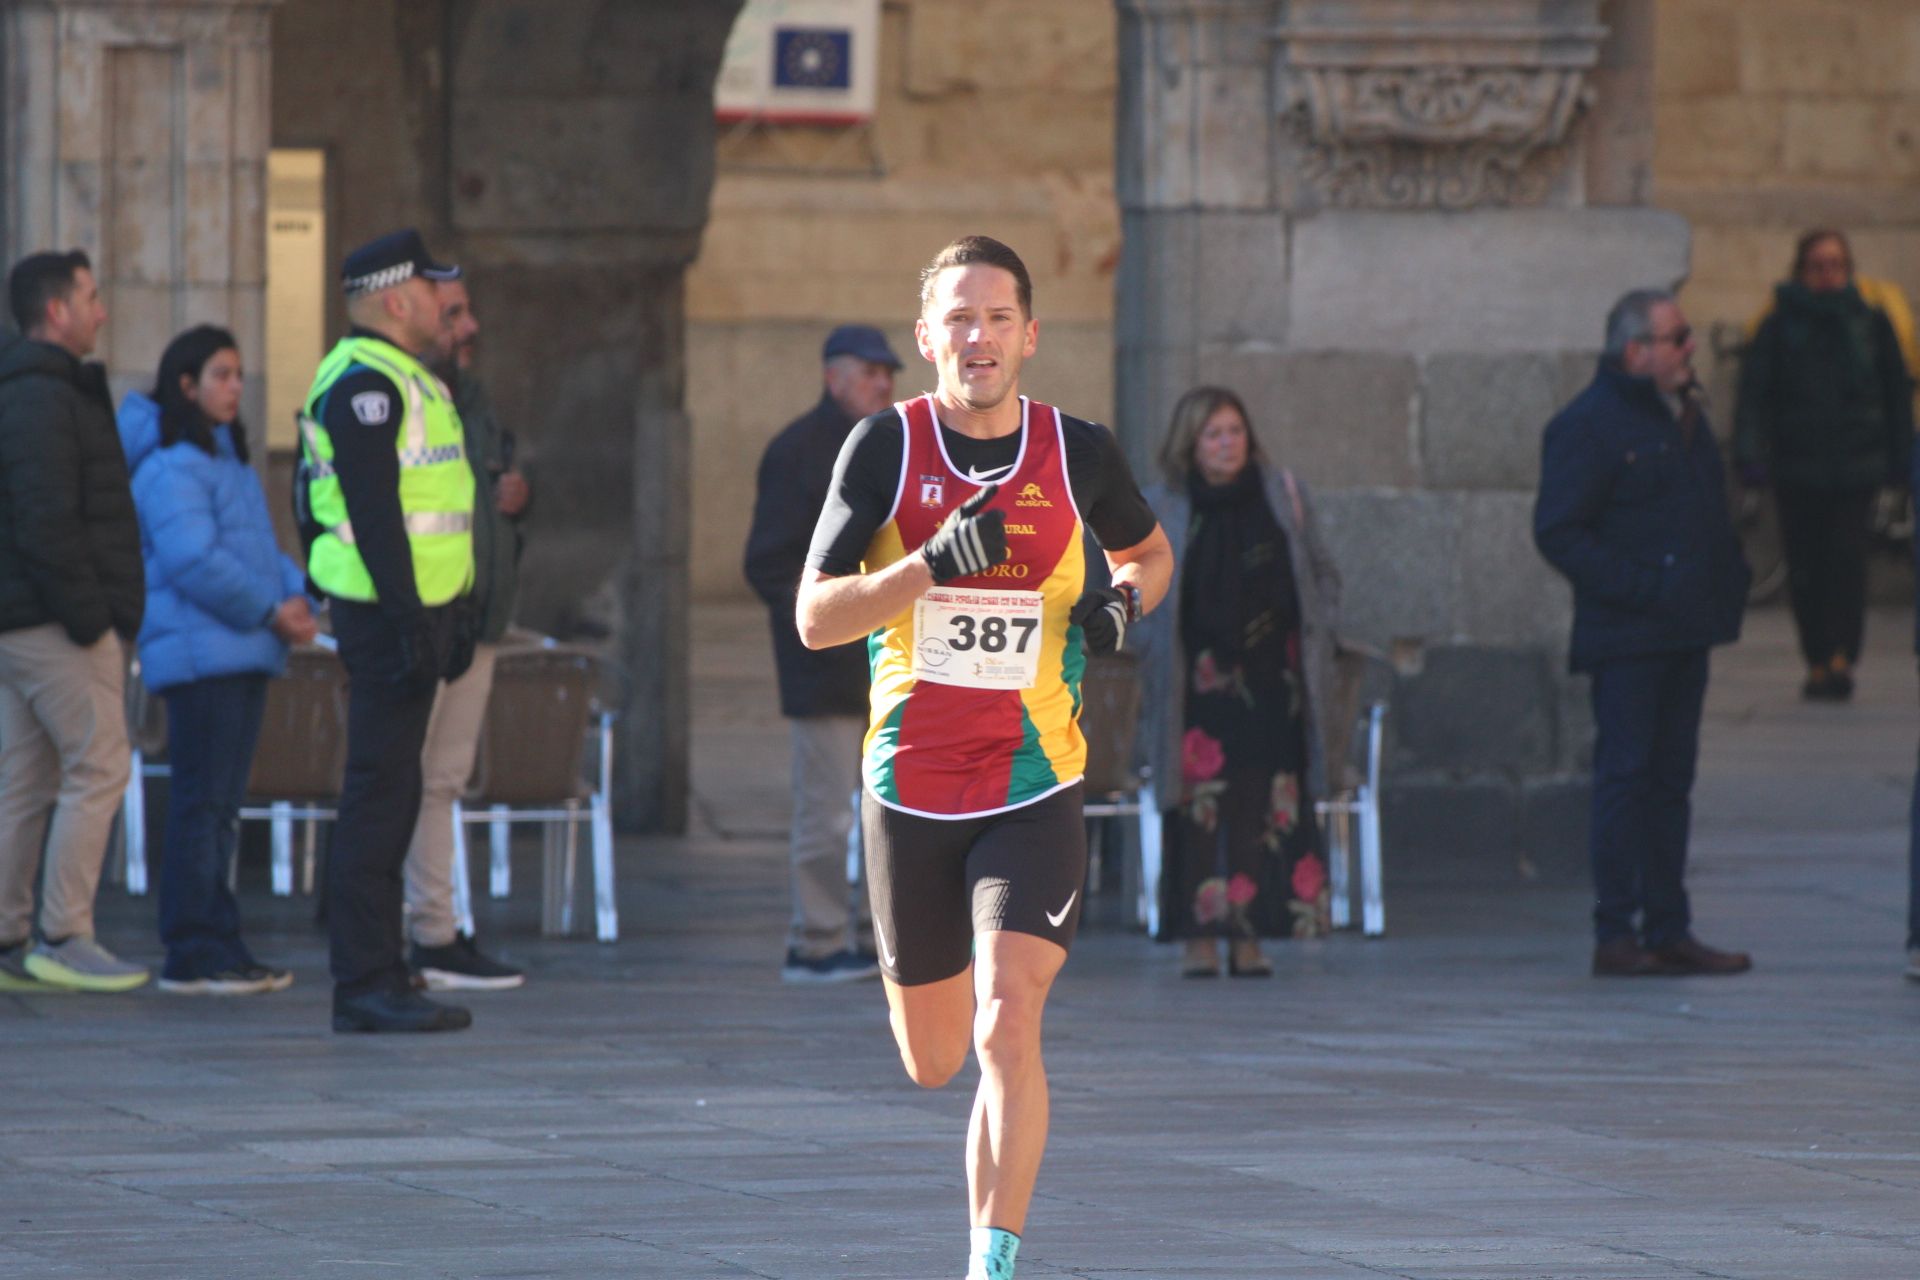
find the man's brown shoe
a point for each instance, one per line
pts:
(1690, 955)
(1625, 958)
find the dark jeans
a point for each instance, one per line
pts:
(1646, 713)
(1824, 535)
(387, 715)
(212, 726)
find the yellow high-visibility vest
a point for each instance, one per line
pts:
(436, 480)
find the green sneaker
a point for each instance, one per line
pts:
(81, 964)
(13, 970)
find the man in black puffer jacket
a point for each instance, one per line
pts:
(72, 588)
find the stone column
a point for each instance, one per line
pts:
(138, 132)
(580, 161)
(1374, 219)
(1204, 266)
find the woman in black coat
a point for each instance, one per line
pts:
(1826, 412)
(1235, 680)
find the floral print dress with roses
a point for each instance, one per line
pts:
(1242, 852)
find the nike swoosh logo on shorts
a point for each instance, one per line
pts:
(1055, 920)
(886, 956)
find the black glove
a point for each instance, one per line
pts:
(466, 634)
(420, 651)
(1102, 614)
(969, 540)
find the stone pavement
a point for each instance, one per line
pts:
(1456, 1100)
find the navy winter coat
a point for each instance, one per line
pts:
(795, 474)
(214, 572)
(1635, 515)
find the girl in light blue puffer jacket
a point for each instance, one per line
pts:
(223, 604)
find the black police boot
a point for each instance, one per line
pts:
(387, 1009)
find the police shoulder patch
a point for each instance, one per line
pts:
(372, 407)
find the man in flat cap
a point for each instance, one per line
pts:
(384, 497)
(823, 693)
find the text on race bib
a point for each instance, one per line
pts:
(977, 638)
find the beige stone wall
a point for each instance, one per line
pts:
(136, 132)
(993, 117)
(1774, 116)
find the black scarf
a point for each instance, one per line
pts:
(1838, 324)
(1237, 593)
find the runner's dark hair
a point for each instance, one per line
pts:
(985, 250)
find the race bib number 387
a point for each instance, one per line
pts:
(976, 638)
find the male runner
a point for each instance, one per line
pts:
(951, 538)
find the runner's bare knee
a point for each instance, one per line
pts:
(932, 1026)
(1006, 1028)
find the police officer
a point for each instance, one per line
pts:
(385, 500)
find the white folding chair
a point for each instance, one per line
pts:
(1351, 820)
(1109, 719)
(540, 717)
(147, 739)
(1350, 813)
(300, 760)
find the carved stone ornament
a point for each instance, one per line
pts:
(1450, 117)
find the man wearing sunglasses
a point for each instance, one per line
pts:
(1632, 509)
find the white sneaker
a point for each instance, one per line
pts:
(228, 982)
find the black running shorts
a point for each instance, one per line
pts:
(937, 882)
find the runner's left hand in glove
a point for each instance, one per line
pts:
(1102, 614)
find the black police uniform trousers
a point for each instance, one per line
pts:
(1646, 713)
(387, 714)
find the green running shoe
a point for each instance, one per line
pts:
(13, 971)
(81, 964)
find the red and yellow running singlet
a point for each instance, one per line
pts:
(976, 688)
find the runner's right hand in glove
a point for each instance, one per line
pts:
(969, 540)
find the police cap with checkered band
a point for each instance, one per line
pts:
(393, 259)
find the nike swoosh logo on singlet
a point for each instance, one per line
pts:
(988, 476)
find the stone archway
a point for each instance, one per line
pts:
(561, 149)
